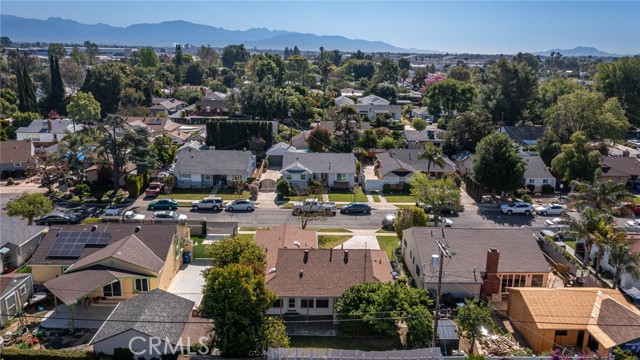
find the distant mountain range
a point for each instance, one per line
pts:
(577, 51)
(169, 32)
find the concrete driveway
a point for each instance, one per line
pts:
(360, 242)
(189, 281)
(85, 317)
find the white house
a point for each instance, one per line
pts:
(333, 169)
(17, 242)
(46, 131)
(416, 139)
(536, 173)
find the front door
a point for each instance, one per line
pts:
(580, 338)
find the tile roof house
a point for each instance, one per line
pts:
(536, 173)
(506, 257)
(153, 315)
(589, 319)
(15, 291)
(18, 242)
(523, 135)
(14, 156)
(416, 139)
(422, 113)
(114, 260)
(166, 106)
(623, 169)
(156, 125)
(283, 236)
(330, 126)
(200, 166)
(334, 169)
(41, 132)
(310, 281)
(211, 107)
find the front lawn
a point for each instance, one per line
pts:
(343, 195)
(376, 197)
(230, 195)
(388, 244)
(331, 241)
(399, 197)
(330, 230)
(187, 194)
(570, 243)
(364, 343)
(385, 231)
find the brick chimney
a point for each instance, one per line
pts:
(491, 283)
(49, 125)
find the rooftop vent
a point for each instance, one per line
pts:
(346, 256)
(94, 228)
(301, 274)
(296, 243)
(272, 270)
(138, 228)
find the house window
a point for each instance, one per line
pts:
(292, 302)
(277, 303)
(141, 285)
(513, 281)
(10, 305)
(112, 290)
(306, 303)
(23, 289)
(405, 242)
(322, 303)
(207, 177)
(303, 177)
(562, 332)
(185, 176)
(288, 177)
(531, 181)
(17, 164)
(341, 177)
(545, 181)
(236, 178)
(417, 270)
(536, 280)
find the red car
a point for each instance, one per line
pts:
(154, 189)
(631, 207)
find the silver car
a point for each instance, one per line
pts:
(241, 205)
(169, 216)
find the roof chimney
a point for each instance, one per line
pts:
(301, 273)
(346, 256)
(306, 256)
(491, 281)
(138, 228)
(94, 228)
(49, 125)
(330, 254)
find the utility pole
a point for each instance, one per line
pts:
(442, 253)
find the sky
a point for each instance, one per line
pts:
(455, 26)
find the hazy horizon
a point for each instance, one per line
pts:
(489, 27)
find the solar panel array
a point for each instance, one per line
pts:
(70, 244)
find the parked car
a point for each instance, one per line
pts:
(133, 215)
(56, 217)
(551, 209)
(112, 211)
(557, 223)
(314, 206)
(208, 203)
(517, 208)
(169, 216)
(632, 224)
(241, 205)
(154, 189)
(356, 207)
(387, 222)
(446, 209)
(163, 204)
(629, 208)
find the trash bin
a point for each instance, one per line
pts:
(186, 257)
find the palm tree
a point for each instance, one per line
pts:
(432, 154)
(606, 237)
(622, 260)
(586, 225)
(601, 194)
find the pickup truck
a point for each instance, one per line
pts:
(154, 189)
(314, 206)
(132, 216)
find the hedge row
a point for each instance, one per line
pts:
(29, 354)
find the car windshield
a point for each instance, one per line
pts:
(512, 205)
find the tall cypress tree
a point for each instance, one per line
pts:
(26, 95)
(178, 64)
(57, 87)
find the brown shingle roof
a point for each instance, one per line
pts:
(6, 280)
(157, 237)
(14, 151)
(619, 166)
(281, 237)
(519, 252)
(327, 272)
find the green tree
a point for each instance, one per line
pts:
(369, 139)
(548, 93)
(471, 317)
(621, 257)
(83, 108)
(76, 149)
(459, 73)
(619, 354)
(57, 87)
(359, 69)
(432, 154)
(319, 139)
(72, 74)
(385, 90)
(528, 59)
(409, 217)
(450, 96)
(8, 102)
(497, 165)
(147, 57)
(232, 54)
(599, 193)
(590, 112)
(404, 64)
(91, 50)
(586, 225)
(208, 56)
(621, 79)
(576, 161)
(387, 143)
(507, 90)
(419, 124)
(194, 74)
(387, 71)
(401, 304)
(237, 250)
(106, 83)
(29, 206)
(465, 131)
(438, 193)
(165, 149)
(347, 123)
(178, 61)
(548, 146)
(419, 77)
(26, 94)
(48, 168)
(56, 51)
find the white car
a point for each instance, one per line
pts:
(557, 223)
(387, 222)
(168, 216)
(517, 208)
(240, 205)
(133, 215)
(632, 224)
(551, 209)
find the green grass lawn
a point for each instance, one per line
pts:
(343, 195)
(230, 195)
(376, 197)
(570, 243)
(388, 244)
(399, 197)
(187, 194)
(385, 231)
(246, 236)
(368, 343)
(331, 241)
(332, 230)
(253, 228)
(199, 251)
(197, 240)
(636, 199)
(402, 206)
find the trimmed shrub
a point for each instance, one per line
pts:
(134, 184)
(40, 354)
(406, 187)
(283, 187)
(122, 354)
(253, 191)
(10, 181)
(526, 198)
(386, 188)
(548, 189)
(531, 188)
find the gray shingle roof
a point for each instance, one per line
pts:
(343, 100)
(410, 157)
(373, 100)
(191, 160)
(15, 151)
(430, 134)
(330, 163)
(524, 133)
(41, 126)
(17, 233)
(535, 168)
(156, 313)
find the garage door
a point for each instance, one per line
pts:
(275, 160)
(267, 185)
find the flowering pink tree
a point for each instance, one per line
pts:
(432, 79)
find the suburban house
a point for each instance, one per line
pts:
(416, 139)
(15, 290)
(283, 236)
(422, 113)
(299, 141)
(487, 262)
(343, 101)
(43, 132)
(211, 107)
(150, 317)
(330, 126)
(396, 166)
(18, 242)
(536, 173)
(628, 284)
(623, 169)
(334, 169)
(79, 263)
(589, 319)
(156, 125)
(463, 161)
(523, 135)
(277, 151)
(372, 106)
(14, 157)
(166, 106)
(199, 166)
(308, 282)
